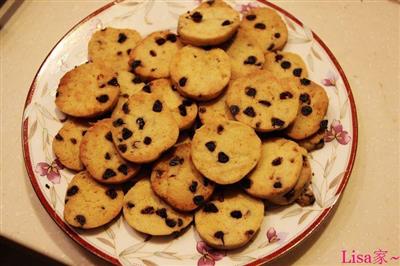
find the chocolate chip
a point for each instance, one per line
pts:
(246, 182)
(234, 109)
(119, 53)
(251, 17)
(205, 182)
(128, 51)
(72, 190)
(277, 122)
(137, 80)
(146, 88)
(290, 194)
(277, 161)
(73, 140)
(153, 53)
(130, 205)
(118, 122)
(265, 103)
(173, 87)
(122, 148)
(59, 137)
(249, 233)
(147, 210)
(182, 110)
(157, 106)
(80, 219)
(160, 41)
(250, 91)
(187, 102)
(171, 37)
(323, 125)
(126, 133)
(222, 157)
(123, 168)
(251, 60)
(260, 26)
(277, 184)
(306, 110)
(249, 111)
(57, 94)
(162, 213)
(236, 214)
(285, 64)
(84, 132)
(193, 187)
(277, 35)
(107, 156)
(210, 207)
(278, 57)
(176, 160)
(271, 47)
(210, 146)
(305, 98)
(102, 98)
(180, 222)
(140, 122)
(226, 23)
(147, 140)
(286, 95)
(170, 222)
(125, 108)
(297, 72)
(220, 128)
(182, 82)
(122, 37)
(305, 82)
(202, 110)
(196, 17)
(219, 235)
(135, 64)
(108, 173)
(108, 136)
(198, 200)
(113, 82)
(210, 2)
(111, 193)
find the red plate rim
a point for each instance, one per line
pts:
(77, 238)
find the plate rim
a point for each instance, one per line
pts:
(277, 253)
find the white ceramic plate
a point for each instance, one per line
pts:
(282, 228)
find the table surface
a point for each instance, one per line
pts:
(364, 36)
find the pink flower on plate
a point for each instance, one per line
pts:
(336, 132)
(210, 255)
(51, 171)
(246, 7)
(272, 236)
(330, 80)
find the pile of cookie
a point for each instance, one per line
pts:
(203, 125)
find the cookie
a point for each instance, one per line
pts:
(67, 141)
(215, 109)
(263, 101)
(211, 23)
(285, 65)
(313, 106)
(200, 74)
(147, 213)
(112, 46)
(301, 185)
(152, 56)
(246, 56)
(89, 204)
(145, 129)
(175, 179)
(87, 90)
(231, 221)
(225, 151)
(277, 171)
(184, 110)
(101, 158)
(306, 197)
(315, 141)
(266, 27)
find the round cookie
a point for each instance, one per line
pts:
(315, 141)
(211, 23)
(112, 46)
(89, 204)
(306, 197)
(215, 109)
(147, 213)
(294, 193)
(225, 151)
(313, 106)
(175, 179)
(145, 129)
(67, 141)
(246, 56)
(285, 65)
(200, 74)
(263, 101)
(152, 56)
(277, 171)
(266, 27)
(183, 110)
(230, 222)
(101, 158)
(87, 90)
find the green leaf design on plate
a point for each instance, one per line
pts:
(149, 263)
(32, 129)
(304, 216)
(105, 242)
(167, 255)
(241, 258)
(316, 54)
(53, 197)
(132, 249)
(336, 180)
(293, 213)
